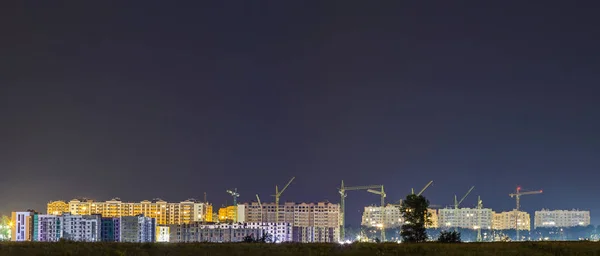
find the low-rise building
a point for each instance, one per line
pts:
(468, 218)
(509, 220)
(561, 218)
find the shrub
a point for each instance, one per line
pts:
(449, 237)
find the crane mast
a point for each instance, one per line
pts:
(479, 207)
(277, 195)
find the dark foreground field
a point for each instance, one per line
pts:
(525, 249)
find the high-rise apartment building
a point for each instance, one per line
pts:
(433, 219)
(164, 212)
(279, 232)
(561, 218)
(509, 220)
(84, 228)
(162, 234)
(393, 217)
(47, 228)
(317, 216)
(58, 208)
(22, 226)
(138, 229)
(214, 233)
(377, 217)
(110, 229)
(469, 218)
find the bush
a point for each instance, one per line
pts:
(449, 237)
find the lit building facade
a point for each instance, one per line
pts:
(433, 219)
(164, 212)
(213, 233)
(377, 216)
(317, 216)
(468, 218)
(561, 218)
(110, 229)
(58, 208)
(22, 226)
(162, 234)
(508, 220)
(280, 232)
(138, 229)
(393, 217)
(47, 228)
(84, 228)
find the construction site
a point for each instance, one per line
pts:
(382, 220)
(327, 221)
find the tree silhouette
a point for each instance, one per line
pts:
(414, 211)
(449, 237)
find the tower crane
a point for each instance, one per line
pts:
(412, 191)
(277, 195)
(517, 195)
(235, 195)
(342, 190)
(422, 190)
(457, 203)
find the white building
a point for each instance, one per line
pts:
(561, 218)
(321, 218)
(162, 234)
(508, 220)
(138, 229)
(372, 216)
(469, 218)
(212, 233)
(241, 213)
(84, 228)
(280, 232)
(47, 228)
(22, 228)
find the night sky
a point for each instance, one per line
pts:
(151, 99)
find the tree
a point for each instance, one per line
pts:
(249, 239)
(416, 216)
(5, 227)
(449, 237)
(266, 238)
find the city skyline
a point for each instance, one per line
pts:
(144, 100)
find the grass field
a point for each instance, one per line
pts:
(200, 249)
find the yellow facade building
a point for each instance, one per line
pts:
(164, 212)
(433, 219)
(509, 220)
(58, 208)
(227, 214)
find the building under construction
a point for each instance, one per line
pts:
(320, 221)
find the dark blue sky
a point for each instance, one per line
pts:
(152, 99)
